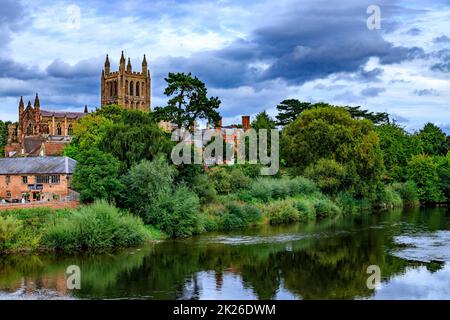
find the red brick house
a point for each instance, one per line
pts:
(36, 179)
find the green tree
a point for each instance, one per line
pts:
(434, 140)
(151, 193)
(443, 170)
(331, 133)
(96, 176)
(398, 146)
(3, 136)
(145, 183)
(330, 176)
(422, 169)
(188, 102)
(289, 110)
(133, 137)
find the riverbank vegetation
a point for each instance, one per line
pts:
(335, 161)
(99, 226)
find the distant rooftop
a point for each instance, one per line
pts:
(37, 165)
(62, 114)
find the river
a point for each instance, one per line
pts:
(327, 259)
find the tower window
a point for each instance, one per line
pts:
(115, 88)
(137, 89)
(30, 129)
(110, 89)
(126, 87)
(131, 88)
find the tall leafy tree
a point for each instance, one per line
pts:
(434, 140)
(289, 110)
(331, 133)
(423, 170)
(188, 102)
(96, 176)
(3, 136)
(398, 146)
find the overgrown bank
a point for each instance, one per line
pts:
(99, 226)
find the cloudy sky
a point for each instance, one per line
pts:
(252, 54)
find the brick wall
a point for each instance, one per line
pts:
(16, 187)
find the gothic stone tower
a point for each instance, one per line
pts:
(126, 87)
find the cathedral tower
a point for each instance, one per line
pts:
(127, 88)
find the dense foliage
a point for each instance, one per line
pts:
(331, 133)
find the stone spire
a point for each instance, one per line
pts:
(107, 65)
(86, 109)
(144, 65)
(21, 105)
(122, 62)
(37, 104)
(129, 69)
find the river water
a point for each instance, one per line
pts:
(319, 260)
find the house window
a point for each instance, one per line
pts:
(24, 179)
(8, 179)
(70, 130)
(42, 179)
(8, 194)
(58, 129)
(54, 179)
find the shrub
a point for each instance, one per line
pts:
(145, 183)
(284, 211)
(99, 226)
(301, 185)
(221, 180)
(10, 229)
(203, 188)
(176, 213)
(350, 205)
(389, 197)
(326, 208)
(408, 192)
(329, 175)
(239, 180)
(306, 209)
(267, 188)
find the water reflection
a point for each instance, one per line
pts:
(321, 260)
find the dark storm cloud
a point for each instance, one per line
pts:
(12, 17)
(82, 69)
(306, 43)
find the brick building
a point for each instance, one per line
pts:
(36, 179)
(40, 132)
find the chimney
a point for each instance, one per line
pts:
(246, 122)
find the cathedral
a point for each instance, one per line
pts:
(45, 133)
(128, 88)
(40, 132)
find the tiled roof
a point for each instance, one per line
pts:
(37, 165)
(61, 114)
